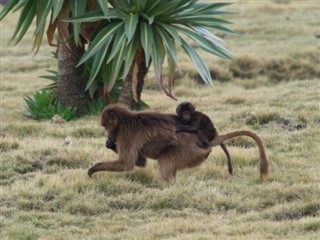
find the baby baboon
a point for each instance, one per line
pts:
(153, 135)
(111, 144)
(197, 122)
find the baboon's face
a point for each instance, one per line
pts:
(185, 111)
(186, 116)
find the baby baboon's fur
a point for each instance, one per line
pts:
(197, 122)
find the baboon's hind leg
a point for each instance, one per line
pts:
(141, 161)
(167, 169)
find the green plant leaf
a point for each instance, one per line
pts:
(77, 9)
(146, 40)
(131, 53)
(43, 10)
(100, 40)
(158, 54)
(139, 4)
(130, 25)
(206, 44)
(204, 32)
(164, 7)
(150, 19)
(179, 9)
(50, 77)
(201, 20)
(116, 66)
(169, 42)
(42, 13)
(97, 15)
(26, 17)
(8, 7)
(91, 16)
(44, 104)
(104, 6)
(200, 8)
(150, 5)
(113, 95)
(122, 5)
(171, 73)
(95, 106)
(117, 43)
(20, 4)
(98, 61)
(222, 29)
(198, 62)
(57, 6)
(171, 30)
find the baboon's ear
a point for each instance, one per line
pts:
(192, 107)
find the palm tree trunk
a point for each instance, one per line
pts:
(71, 82)
(130, 87)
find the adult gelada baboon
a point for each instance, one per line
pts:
(153, 135)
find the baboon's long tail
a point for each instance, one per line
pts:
(264, 163)
(224, 148)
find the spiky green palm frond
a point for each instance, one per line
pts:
(160, 26)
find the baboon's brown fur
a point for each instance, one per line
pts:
(153, 135)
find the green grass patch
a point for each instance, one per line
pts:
(313, 225)
(87, 132)
(306, 210)
(262, 118)
(235, 101)
(245, 67)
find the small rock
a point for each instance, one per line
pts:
(57, 119)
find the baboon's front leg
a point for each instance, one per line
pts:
(112, 166)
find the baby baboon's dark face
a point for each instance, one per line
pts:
(185, 111)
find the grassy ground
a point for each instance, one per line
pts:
(272, 88)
